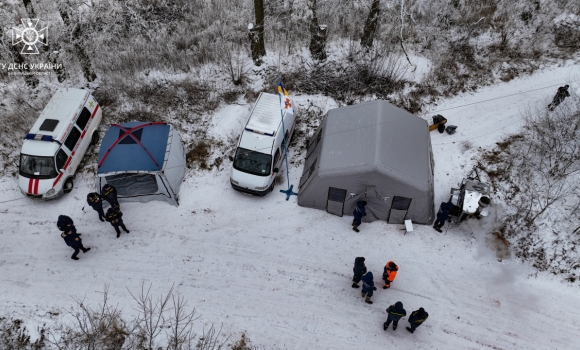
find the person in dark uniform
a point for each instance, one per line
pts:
(417, 318)
(114, 216)
(358, 213)
(442, 215)
(96, 202)
(561, 94)
(359, 270)
(70, 235)
(368, 287)
(395, 313)
(109, 193)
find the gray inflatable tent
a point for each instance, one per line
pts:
(374, 152)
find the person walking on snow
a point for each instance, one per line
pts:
(114, 217)
(70, 235)
(368, 287)
(417, 318)
(359, 212)
(359, 270)
(389, 273)
(109, 193)
(395, 313)
(442, 215)
(96, 202)
(561, 94)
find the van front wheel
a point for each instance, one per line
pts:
(68, 185)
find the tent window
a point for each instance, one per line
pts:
(128, 139)
(83, 118)
(307, 174)
(133, 184)
(401, 203)
(313, 143)
(336, 194)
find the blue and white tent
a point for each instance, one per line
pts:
(144, 161)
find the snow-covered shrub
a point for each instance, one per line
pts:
(13, 335)
(537, 174)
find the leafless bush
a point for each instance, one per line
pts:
(13, 335)
(538, 173)
(101, 327)
(162, 322)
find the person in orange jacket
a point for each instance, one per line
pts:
(389, 273)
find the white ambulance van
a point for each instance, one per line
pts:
(260, 152)
(57, 142)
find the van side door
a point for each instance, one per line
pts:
(71, 143)
(81, 123)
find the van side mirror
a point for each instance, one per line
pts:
(61, 170)
(276, 170)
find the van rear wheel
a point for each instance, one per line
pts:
(95, 138)
(68, 185)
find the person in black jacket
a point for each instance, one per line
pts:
(70, 235)
(417, 318)
(358, 213)
(395, 313)
(114, 216)
(561, 94)
(109, 193)
(96, 202)
(442, 215)
(368, 287)
(359, 270)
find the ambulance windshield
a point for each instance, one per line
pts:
(37, 167)
(252, 162)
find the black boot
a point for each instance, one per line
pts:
(409, 329)
(385, 326)
(118, 234)
(354, 285)
(126, 230)
(86, 250)
(103, 220)
(74, 258)
(394, 327)
(368, 300)
(355, 228)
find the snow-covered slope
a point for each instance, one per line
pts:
(282, 273)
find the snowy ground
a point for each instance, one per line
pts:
(282, 273)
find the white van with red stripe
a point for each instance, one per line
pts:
(57, 142)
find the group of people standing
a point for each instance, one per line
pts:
(113, 215)
(395, 312)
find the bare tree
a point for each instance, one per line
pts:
(256, 34)
(317, 34)
(371, 25)
(180, 334)
(76, 38)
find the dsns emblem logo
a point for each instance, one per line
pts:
(30, 36)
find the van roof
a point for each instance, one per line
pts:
(54, 122)
(265, 117)
(56, 117)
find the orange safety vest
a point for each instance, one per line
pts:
(391, 274)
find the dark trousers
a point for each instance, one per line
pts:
(357, 220)
(101, 212)
(356, 278)
(389, 320)
(77, 249)
(414, 326)
(438, 223)
(121, 225)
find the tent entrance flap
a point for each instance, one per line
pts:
(128, 184)
(399, 209)
(335, 201)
